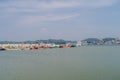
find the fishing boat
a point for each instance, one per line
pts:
(2, 49)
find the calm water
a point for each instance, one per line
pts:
(84, 63)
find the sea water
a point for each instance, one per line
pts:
(83, 63)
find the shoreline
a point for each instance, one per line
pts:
(8, 47)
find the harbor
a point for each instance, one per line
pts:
(56, 43)
(40, 46)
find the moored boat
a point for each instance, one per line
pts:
(2, 49)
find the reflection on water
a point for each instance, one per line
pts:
(84, 63)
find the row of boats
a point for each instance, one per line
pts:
(33, 46)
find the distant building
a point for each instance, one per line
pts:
(79, 44)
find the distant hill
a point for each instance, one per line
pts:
(91, 40)
(108, 39)
(56, 41)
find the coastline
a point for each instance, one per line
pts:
(6, 47)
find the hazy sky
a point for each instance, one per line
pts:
(59, 19)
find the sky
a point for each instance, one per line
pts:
(59, 19)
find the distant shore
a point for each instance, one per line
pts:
(55, 43)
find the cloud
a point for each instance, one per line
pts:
(37, 5)
(35, 20)
(24, 11)
(98, 3)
